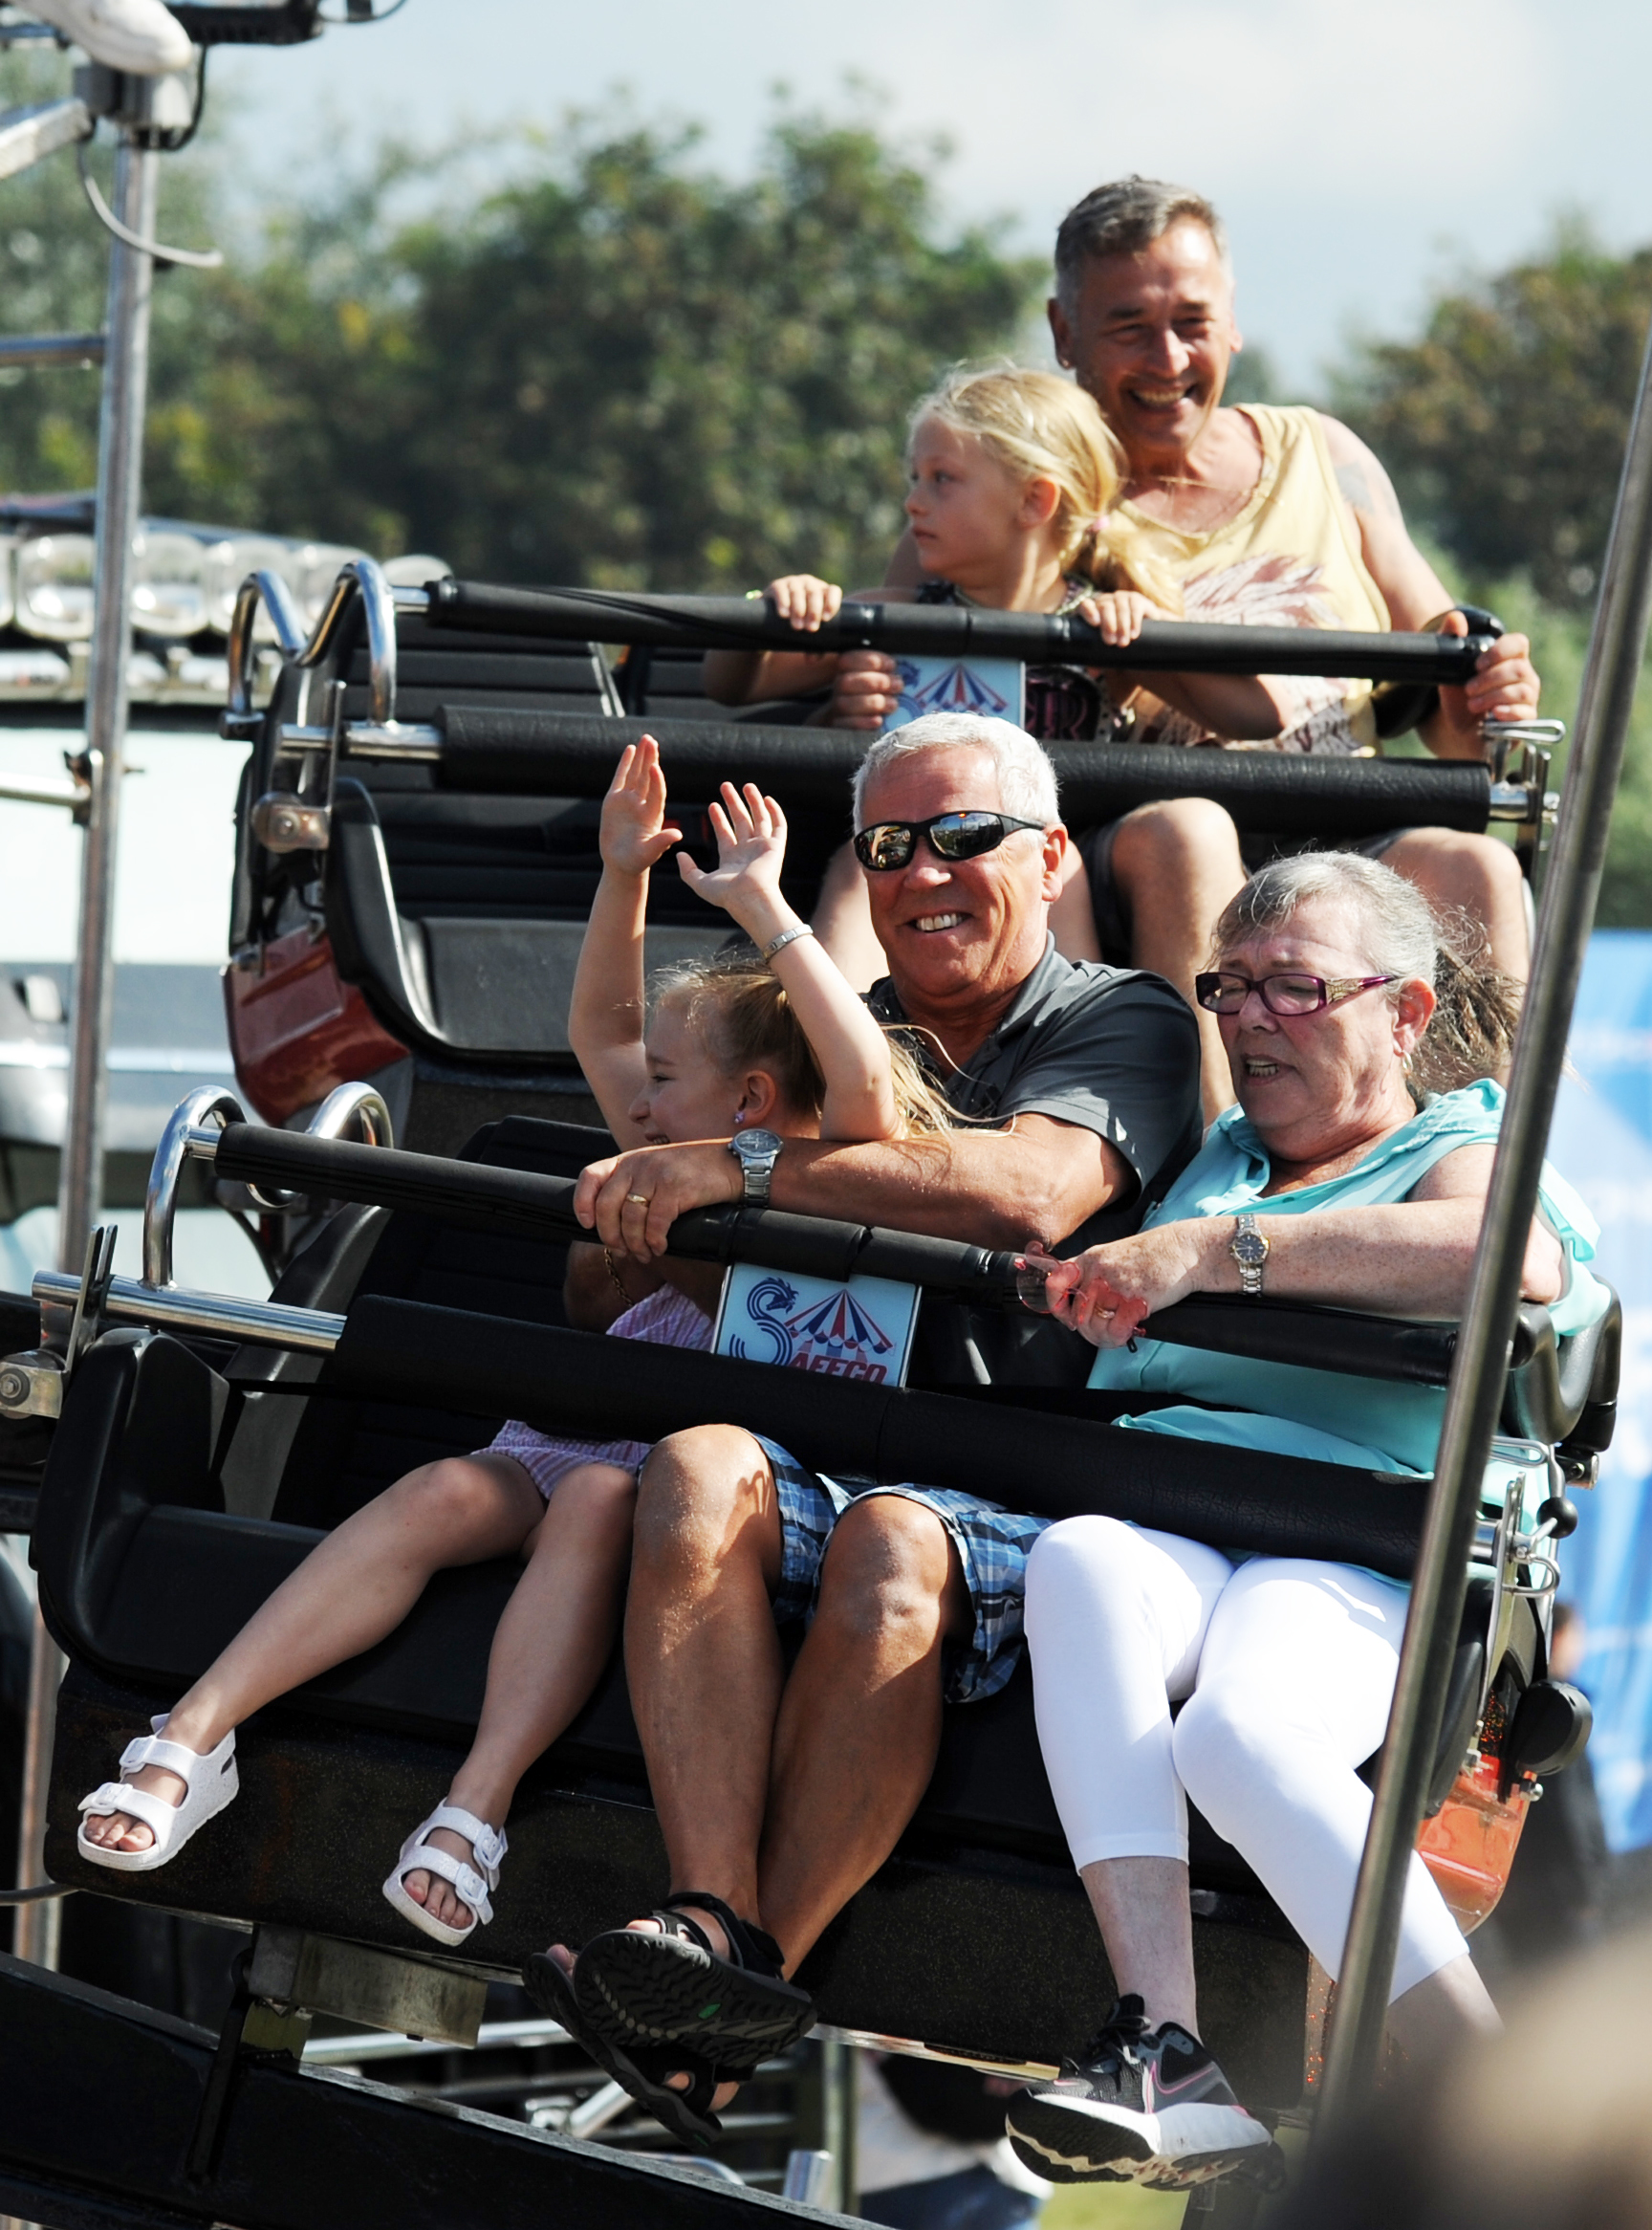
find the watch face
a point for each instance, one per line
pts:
(1250, 1248)
(754, 1145)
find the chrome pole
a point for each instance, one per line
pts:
(120, 471)
(1570, 890)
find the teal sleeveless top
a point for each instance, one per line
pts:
(1287, 1408)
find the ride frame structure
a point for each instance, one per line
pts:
(270, 2161)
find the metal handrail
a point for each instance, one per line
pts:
(353, 1106)
(361, 576)
(268, 1324)
(191, 1116)
(1616, 651)
(269, 590)
(193, 1132)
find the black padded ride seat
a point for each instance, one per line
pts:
(461, 914)
(975, 1935)
(665, 683)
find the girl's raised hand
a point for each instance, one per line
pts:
(751, 831)
(1118, 613)
(635, 834)
(804, 601)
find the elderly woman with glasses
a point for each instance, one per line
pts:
(1340, 1177)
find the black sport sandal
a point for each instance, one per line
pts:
(642, 2069)
(639, 1988)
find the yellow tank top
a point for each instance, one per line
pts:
(1289, 558)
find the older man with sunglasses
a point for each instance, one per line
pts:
(779, 1795)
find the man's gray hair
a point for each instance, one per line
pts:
(1026, 777)
(1122, 218)
(1399, 930)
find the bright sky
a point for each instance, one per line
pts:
(1357, 149)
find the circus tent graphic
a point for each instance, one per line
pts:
(989, 686)
(839, 1329)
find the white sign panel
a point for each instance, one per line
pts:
(861, 1327)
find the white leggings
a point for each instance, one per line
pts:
(1287, 1666)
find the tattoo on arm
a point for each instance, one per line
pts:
(1368, 488)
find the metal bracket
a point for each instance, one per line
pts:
(97, 1275)
(1520, 752)
(31, 1384)
(283, 822)
(301, 820)
(379, 1989)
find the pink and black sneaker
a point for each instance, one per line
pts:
(1137, 2107)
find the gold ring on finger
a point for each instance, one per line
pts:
(641, 1199)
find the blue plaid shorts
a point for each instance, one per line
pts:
(992, 1545)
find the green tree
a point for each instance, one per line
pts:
(53, 275)
(626, 369)
(1505, 422)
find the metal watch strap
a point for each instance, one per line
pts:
(1250, 1248)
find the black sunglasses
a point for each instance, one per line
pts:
(1225, 993)
(889, 844)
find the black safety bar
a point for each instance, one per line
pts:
(526, 1203)
(712, 623)
(1057, 1466)
(570, 754)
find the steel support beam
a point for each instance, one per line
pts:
(100, 2100)
(1613, 671)
(120, 471)
(29, 134)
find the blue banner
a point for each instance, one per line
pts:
(1602, 1142)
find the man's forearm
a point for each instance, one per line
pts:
(991, 1187)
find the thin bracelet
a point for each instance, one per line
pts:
(614, 1277)
(786, 937)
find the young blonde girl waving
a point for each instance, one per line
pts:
(774, 1038)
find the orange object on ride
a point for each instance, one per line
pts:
(296, 1028)
(1470, 1844)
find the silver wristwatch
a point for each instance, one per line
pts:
(1250, 1248)
(756, 1151)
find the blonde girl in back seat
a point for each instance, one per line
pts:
(1013, 476)
(772, 1039)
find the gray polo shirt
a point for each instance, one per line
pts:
(1111, 1049)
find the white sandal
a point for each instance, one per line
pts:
(489, 1847)
(209, 1783)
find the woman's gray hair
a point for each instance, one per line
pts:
(1471, 1032)
(1027, 789)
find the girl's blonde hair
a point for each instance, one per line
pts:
(1037, 424)
(743, 1019)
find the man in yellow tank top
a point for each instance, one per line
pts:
(1266, 514)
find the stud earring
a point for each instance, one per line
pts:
(739, 1117)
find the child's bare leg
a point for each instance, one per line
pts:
(1072, 916)
(559, 1630)
(844, 922)
(1177, 864)
(353, 1589)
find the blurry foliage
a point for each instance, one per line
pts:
(1504, 424)
(620, 368)
(623, 369)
